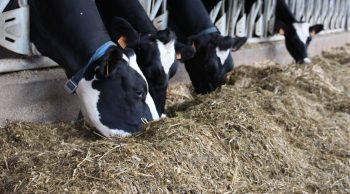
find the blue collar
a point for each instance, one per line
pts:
(72, 84)
(210, 30)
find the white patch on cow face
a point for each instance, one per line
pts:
(89, 98)
(222, 54)
(149, 99)
(302, 30)
(125, 58)
(167, 54)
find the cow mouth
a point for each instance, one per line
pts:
(304, 61)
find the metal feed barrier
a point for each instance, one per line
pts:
(258, 24)
(228, 15)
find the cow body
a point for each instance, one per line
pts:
(112, 90)
(212, 60)
(155, 49)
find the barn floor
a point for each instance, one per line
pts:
(272, 128)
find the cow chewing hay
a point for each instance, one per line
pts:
(274, 129)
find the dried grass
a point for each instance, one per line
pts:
(274, 129)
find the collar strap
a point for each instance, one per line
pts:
(72, 84)
(210, 30)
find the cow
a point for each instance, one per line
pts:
(212, 60)
(129, 25)
(298, 35)
(111, 88)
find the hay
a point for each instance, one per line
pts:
(340, 54)
(272, 129)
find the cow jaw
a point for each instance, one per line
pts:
(222, 54)
(89, 98)
(167, 54)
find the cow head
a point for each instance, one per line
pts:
(212, 60)
(156, 56)
(297, 38)
(114, 94)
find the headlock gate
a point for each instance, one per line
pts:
(229, 16)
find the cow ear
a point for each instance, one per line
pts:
(122, 32)
(108, 62)
(315, 29)
(164, 36)
(280, 27)
(238, 42)
(194, 42)
(184, 52)
(122, 41)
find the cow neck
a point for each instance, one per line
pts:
(138, 18)
(189, 17)
(130, 10)
(69, 32)
(283, 13)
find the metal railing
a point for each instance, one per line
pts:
(230, 18)
(258, 23)
(157, 12)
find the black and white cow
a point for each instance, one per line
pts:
(111, 87)
(128, 24)
(212, 60)
(297, 34)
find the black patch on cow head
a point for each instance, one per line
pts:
(207, 69)
(121, 92)
(155, 56)
(297, 38)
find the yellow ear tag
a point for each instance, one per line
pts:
(193, 45)
(281, 31)
(122, 41)
(178, 56)
(107, 68)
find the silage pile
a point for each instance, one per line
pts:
(272, 129)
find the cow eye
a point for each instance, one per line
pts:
(139, 94)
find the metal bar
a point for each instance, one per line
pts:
(215, 11)
(251, 18)
(155, 9)
(146, 4)
(333, 14)
(348, 16)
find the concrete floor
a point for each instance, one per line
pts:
(36, 96)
